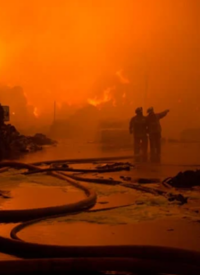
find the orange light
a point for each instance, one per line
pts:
(35, 112)
(106, 97)
(122, 78)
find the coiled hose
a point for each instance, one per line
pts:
(30, 214)
(129, 258)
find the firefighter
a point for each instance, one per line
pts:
(1, 132)
(1, 115)
(138, 127)
(154, 130)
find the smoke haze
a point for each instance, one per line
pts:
(72, 51)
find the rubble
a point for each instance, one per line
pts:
(115, 165)
(41, 139)
(5, 194)
(177, 197)
(186, 179)
(140, 180)
(13, 143)
(125, 178)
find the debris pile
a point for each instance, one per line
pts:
(141, 180)
(126, 165)
(13, 143)
(186, 179)
(5, 194)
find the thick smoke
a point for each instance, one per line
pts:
(69, 51)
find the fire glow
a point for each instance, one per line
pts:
(35, 112)
(106, 97)
(122, 78)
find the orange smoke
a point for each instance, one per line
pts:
(58, 50)
(122, 78)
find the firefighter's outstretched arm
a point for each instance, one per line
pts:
(162, 114)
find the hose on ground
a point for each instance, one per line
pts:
(87, 160)
(107, 170)
(128, 258)
(105, 159)
(30, 214)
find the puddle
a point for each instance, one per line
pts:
(149, 221)
(36, 191)
(180, 234)
(27, 197)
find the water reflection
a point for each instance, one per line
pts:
(27, 197)
(181, 234)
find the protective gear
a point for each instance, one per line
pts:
(1, 132)
(138, 127)
(150, 110)
(140, 144)
(154, 130)
(1, 115)
(155, 147)
(139, 111)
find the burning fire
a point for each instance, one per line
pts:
(106, 97)
(122, 78)
(35, 112)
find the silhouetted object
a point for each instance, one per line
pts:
(138, 127)
(41, 139)
(1, 115)
(114, 165)
(12, 144)
(154, 130)
(178, 197)
(1, 133)
(186, 179)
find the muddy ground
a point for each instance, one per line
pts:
(149, 220)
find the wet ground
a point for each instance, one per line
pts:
(149, 220)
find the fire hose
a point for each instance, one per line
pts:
(126, 258)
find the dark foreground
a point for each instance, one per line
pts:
(148, 220)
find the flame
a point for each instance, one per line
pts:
(122, 78)
(13, 113)
(35, 112)
(106, 97)
(27, 99)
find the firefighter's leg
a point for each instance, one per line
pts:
(145, 148)
(137, 148)
(1, 150)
